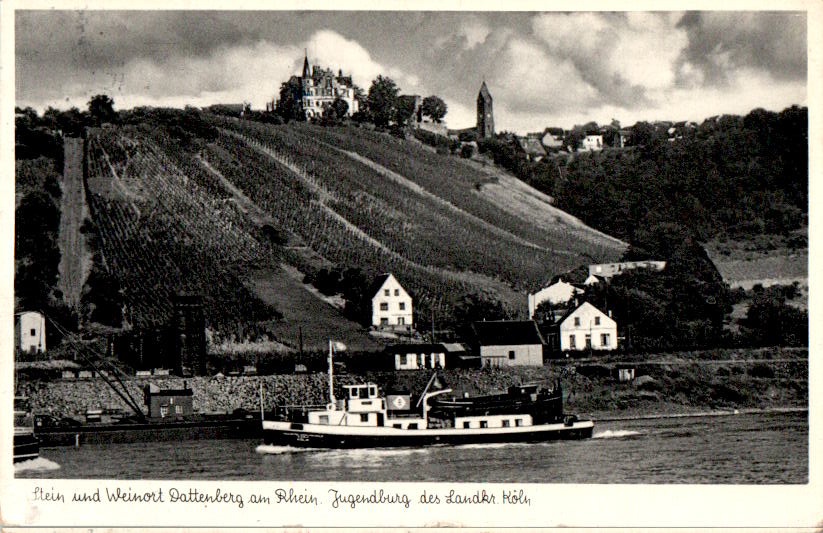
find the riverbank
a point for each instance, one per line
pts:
(665, 384)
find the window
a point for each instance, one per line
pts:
(413, 426)
(164, 411)
(33, 332)
(324, 419)
(387, 292)
(588, 341)
(401, 321)
(384, 306)
(597, 321)
(397, 426)
(484, 424)
(364, 417)
(507, 423)
(605, 340)
(402, 306)
(518, 422)
(511, 354)
(467, 424)
(397, 292)
(384, 321)
(178, 409)
(577, 321)
(572, 343)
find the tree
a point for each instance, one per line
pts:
(382, 100)
(289, 105)
(101, 109)
(435, 108)
(340, 108)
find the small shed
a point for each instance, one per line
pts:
(416, 356)
(30, 332)
(168, 403)
(509, 343)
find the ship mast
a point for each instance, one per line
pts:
(331, 374)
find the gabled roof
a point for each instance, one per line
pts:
(377, 283)
(572, 311)
(531, 146)
(507, 332)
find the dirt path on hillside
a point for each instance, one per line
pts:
(75, 259)
(524, 201)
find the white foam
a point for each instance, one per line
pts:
(609, 434)
(38, 464)
(270, 449)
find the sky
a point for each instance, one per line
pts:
(542, 69)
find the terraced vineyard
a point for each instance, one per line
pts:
(162, 232)
(426, 210)
(184, 219)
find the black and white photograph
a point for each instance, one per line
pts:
(375, 261)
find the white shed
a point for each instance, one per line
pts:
(30, 331)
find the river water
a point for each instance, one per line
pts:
(739, 449)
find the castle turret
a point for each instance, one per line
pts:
(306, 68)
(485, 117)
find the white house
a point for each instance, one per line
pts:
(30, 331)
(584, 328)
(557, 293)
(391, 304)
(592, 143)
(591, 280)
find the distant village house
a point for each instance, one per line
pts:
(607, 270)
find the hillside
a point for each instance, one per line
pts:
(239, 211)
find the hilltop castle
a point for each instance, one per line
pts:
(320, 87)
(485, 118)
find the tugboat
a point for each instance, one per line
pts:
(26, 445)
(365, 419)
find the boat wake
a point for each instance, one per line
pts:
(365, 456)
(38, 464)
(609, 434)
(270, 449)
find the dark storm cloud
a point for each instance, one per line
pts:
(719, 43)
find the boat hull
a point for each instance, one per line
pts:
(26, 447)
(323, 436)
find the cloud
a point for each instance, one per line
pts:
(529, 79)
(621, 55)
(721, 43)
(329, 48)
(474, 32)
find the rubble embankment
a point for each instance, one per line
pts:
(673, 384)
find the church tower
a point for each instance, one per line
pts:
(485, 118)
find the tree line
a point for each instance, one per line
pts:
(382, 105)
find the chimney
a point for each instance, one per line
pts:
(610, 313)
